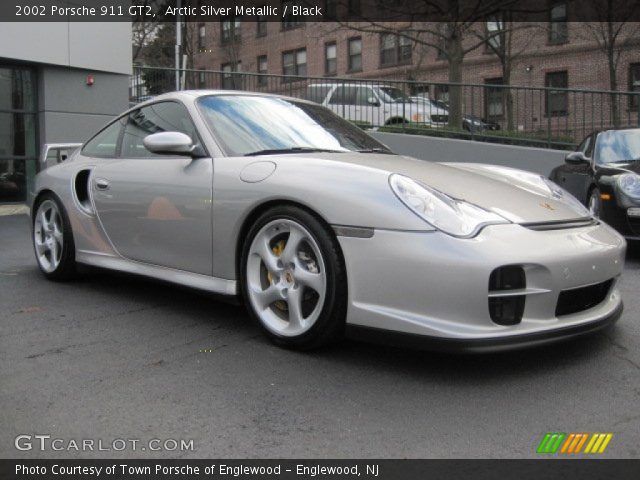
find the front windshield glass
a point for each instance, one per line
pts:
(250, 124)
(618, 146)
(392, 95)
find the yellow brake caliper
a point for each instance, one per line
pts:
(277, 251)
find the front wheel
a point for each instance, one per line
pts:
(293, 278)
(595, 203)
(53, 240)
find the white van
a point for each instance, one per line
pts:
(374, 104)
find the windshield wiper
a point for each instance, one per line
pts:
(274, 151)
(376, 150)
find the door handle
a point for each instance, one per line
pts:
(102, 184)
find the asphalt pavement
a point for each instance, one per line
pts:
(111, 356)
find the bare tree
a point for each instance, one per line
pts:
(613, 37)
(451, 37)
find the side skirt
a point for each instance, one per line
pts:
(194, 280)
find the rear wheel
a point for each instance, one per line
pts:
(595, 203)
(53, 240)
(293, 278)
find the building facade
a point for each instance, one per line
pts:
(59, 82)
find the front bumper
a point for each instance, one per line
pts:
(436, 287)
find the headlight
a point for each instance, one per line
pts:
(455, 217)
(629, 183)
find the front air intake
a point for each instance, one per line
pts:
(506, 306)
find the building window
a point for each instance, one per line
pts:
(494, 34)
(394, 50)
(262, 70)
(330, 58)
(557, 100)
(231, 80)
(330, 9)
(261, 26)
(354, 8)
(494, 99)
(444, 32)
(294, 63)
(634, 85)
(202, 79)
(355, 54)
(289, 20)
(441, 93)
(202, 37)
(230, 31)
(558, 23)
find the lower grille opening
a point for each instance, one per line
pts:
(583, 298)
(508, 309)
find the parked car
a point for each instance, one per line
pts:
(604, 174)
(322, 231)
(373, 104)
(469, 122)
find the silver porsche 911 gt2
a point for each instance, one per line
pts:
(321, 230)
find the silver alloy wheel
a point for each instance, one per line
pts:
(286, 278)
(594, 205)
(47, 236)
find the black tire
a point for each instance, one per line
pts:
(67, 268)
(329, 326)
(594, 203)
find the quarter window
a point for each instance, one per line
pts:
(105, 143)
(159, 117)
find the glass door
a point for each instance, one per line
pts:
(18, 142)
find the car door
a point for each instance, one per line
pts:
(155, 208)
(576, 178)
(343, 102)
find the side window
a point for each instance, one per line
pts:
(105, 143)
(159, 117)
(362, 95)
(343, 95)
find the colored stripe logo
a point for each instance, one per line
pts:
(573, 443)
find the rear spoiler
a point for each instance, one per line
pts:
(55, 153)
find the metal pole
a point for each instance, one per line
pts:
(178, 43)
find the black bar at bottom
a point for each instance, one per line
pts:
(579, 468)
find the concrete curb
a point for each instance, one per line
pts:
(6, 210)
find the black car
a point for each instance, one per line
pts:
(470, 122)
(604, 174)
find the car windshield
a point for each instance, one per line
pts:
(392, 95)
(254, 125)
(617, 146)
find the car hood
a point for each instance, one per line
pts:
(517, 195)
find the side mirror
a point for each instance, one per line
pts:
(172, 143)
(373, 101)
(576, 158)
